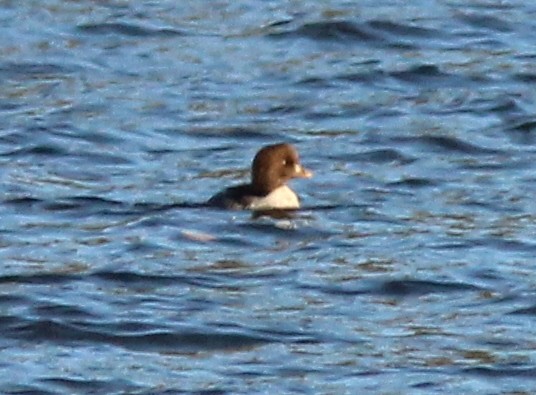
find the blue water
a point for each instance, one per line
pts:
(410, 268)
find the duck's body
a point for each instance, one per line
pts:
(242, 197)
(272, 168)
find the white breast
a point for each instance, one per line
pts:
(280, 198)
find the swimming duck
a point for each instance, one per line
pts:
(271, 169)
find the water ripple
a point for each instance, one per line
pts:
(128, 29)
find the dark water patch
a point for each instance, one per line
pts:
(277, 334)
(500, 106)
(427, 385)
(239, 133)
(280, 333)
(7, 321)
(333, 207)
(447, 144)
(24, 389)
(485, 21)
(498, 163)
(104, 159)
(134, 327)
(56, 141)
(22, 70)
(88, 386)
(183, 392)
(501, 372)
(415, 73)
(503, 343)
(156, 340)
(8, 107)
(418, 287)
(316, 82)
(159, 152)
(141, 247)
(8, 300)
(196, 392)
(24, 202)
(487, 275)
(128, 29)
(431, 76)
(521, 129)
(400, 29)
(68, 130)
(413, 182)
(53, 150)
(209, 278)
(398, 288)
(451, 245)
(375, 32)
(480, 7)
(157, 207)
(78, 205)
(91, 205)
(321, 115)
(341, 31)
(285, 109)
(65, 311)
(81, 203)
(124, 278)
(374, 76)
(368, 214)
(526, 77)
(525, 124)
(384, 155)
(484, 44)
(138, 279)
(479, 107)
(42, 278)
(503, 244)
(347, 111)
(281, 22)
(14, 138)
(525, 311)
(168, 342)
(47, 330)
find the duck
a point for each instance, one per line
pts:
(272, 168)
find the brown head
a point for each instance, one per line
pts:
(274, 165)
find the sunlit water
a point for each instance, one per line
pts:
(410, 268)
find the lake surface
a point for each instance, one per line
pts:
(409, 270)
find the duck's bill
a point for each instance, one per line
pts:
(302, 172)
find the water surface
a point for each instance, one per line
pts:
(409, 269)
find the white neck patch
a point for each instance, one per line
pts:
(280, 198)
